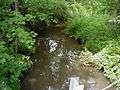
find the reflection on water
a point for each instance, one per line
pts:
(75, 84)
(53, 66)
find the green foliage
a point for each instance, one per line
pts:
(5, 3)
(77, 9)
(13, 37)
(109, 59)
(91, 20)
(88, 20)
(91, 28)
(14, 32)
(93, 6)
(51, 11)
(86, 7)
(115, 27)
(11, 66)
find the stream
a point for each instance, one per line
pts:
(54, 68)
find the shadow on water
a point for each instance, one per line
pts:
(53, 67)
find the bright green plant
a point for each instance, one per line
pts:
(5, 3)
(14, 36)
(51, 11)
(91, 28)
(11, 66)
(109, 59)
(90, 21)
(98, 6)
(77, 9)
(13, 30)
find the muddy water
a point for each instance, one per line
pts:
(53, 65)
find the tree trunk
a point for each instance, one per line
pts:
(16, 5)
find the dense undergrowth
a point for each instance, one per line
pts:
(50, 11)
(13, 36)
(96, 24)
(109, 59)
(92, 29)
(18, 19)
(94, 21)
(106, 60)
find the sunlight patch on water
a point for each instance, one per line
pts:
(52, 45)
(75, 84)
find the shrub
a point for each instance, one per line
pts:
(14, 32)
(91, 28)
(106, 60)
(5, 3)
(109, 59)
(51, 11)
(13, 35)
(11, 66)
(77, 9)
(98, 6)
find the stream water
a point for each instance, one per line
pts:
(53, 65)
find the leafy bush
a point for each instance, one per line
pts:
(11, 66)
(5, 3)
(91, 28)
(13, 31)
(51, 11)
(109, 59)
(89, 21)
(115, 27)
(98, 6)
(13, 36)
(77, 9)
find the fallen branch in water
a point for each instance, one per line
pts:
(112, 84)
